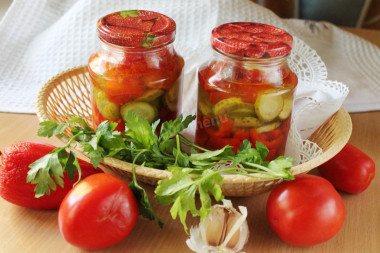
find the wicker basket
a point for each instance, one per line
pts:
(69, 93)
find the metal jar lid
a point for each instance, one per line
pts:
(254, 40)
(136, 28)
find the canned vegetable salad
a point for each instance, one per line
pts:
(135, 68)
(246, 90)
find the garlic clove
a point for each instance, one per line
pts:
(224, 230)
(232, 218)
(214, 229)
(239, 227)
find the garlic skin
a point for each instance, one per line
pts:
(225, 230)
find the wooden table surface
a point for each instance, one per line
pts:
(28, 230)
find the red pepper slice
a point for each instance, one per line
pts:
(226, 126)
(254, 136)
(218, 143)
(271, 155)
(241, 135)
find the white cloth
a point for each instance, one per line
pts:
(40, 38)
(348, 58)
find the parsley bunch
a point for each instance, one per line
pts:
(192, 172)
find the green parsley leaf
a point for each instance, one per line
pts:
(51, 128)
(140, 130)
(169, 129)
(248, 154)
(81, 121)
(208, 154)
(180, 190)
(145, 208)
(43, 169)
(280, 167)
(262, 149)
(71, 165)
(141, 196)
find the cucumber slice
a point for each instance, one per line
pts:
(269, 127)
(150, 95)
(247, 122)
(156, 103)
(142, 109)
(171, 96)
(205, 108)
(172, 105)
(242, 112)
(106, 108)
(287, 108)
(204, 105)
(229, 105)
(268, 105)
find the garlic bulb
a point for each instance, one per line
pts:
(224, 230)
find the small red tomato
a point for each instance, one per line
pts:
(305, 211)
(350, 170)
(15, 161)
(98, 212)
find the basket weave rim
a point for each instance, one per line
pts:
(42, 115)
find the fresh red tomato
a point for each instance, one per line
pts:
(98, 212)
(305, 211)
(350, 170)
(15, 161)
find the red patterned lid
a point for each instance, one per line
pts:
(136, 28)
(253, 40)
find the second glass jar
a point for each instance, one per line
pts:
(135, 68)
(246, 90)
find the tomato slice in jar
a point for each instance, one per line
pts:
(248, 92)
(122, 86)
(215, 96)
(162, 72)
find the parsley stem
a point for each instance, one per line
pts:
(265, 169)
(68, 144)
(251, 175)
(178, 149)
(134, 163)
(234, 171)
(192, 144)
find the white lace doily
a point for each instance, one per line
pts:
(55, 35)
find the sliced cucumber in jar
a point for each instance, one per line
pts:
(247, 122)
(242, 112)
(287, 108)
(204, 105)
(268, 127)
(229, 105)
(150, 95)
(142, 109)
(205, 108)
(269, 104)
(106, 108)
(171, 96)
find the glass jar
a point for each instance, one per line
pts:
(246, 90)
(135, 68)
